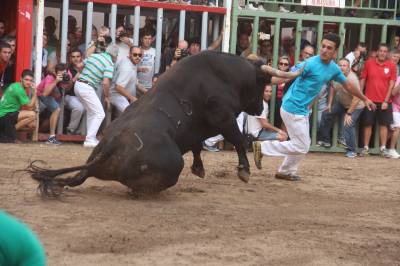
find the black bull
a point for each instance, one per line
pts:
(198, 98)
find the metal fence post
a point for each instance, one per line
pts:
(136, 27)
(277, 33)
(113, 21)
(158, 38)
(182, 20)
(204, 31)
(64, 31)
(254, 40)
(89, 22)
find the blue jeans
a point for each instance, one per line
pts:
(349, 131)
(267, 135)
(49, 103)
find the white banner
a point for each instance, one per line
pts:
(325, 3)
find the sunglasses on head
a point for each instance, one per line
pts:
(283, 64)
(136, 55)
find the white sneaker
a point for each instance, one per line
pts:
(251, 7)
(392, 153)
(283, 9)
(261, 8)
(90, 144)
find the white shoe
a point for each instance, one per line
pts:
(284, 10)
(251, 7)
(391, 153)
(90, 144)
(261, 8)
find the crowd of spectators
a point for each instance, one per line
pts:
(96, 79)
(376, 72)
(109, 76)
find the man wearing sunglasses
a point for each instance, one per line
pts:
(123, 86)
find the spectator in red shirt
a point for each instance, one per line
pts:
(378, 77)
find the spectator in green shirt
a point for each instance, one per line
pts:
(12, 118)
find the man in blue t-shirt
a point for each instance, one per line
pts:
(318, 70)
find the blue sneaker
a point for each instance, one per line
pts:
(52, 140)
(350, 154)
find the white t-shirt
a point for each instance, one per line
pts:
(253, 124)
(148, 61)
(125, 75)
(350, 56)
(123, 50)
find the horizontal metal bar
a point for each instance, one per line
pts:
(163, 5)
(308, 17)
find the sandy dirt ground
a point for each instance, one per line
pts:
(343, 212)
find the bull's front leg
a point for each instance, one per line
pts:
(197, 166)
(232, 134)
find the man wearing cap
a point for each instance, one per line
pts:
(98, 71)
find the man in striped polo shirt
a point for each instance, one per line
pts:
(98, 70)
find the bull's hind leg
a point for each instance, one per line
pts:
(162, 170)
(197, 166)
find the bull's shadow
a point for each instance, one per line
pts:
(198, 98)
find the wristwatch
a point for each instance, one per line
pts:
(347, 113)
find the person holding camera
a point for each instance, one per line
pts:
(100, 44)
(180, 52)
(123, 42)
(12, 118)
(50, 92)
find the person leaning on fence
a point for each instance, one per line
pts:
(344, 104)
(259, 127)
(71, 101)
(123, 41)
(49, 92)
(98, 71)
(318, 70)
(12, 118)
(123, 86)
(378, 77)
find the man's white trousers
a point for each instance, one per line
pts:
(294, 149)
(94, 109)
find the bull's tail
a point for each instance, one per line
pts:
(50, 185)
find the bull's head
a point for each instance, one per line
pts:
(255, 94)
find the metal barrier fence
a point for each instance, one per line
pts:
(349, 29)
(209, 29)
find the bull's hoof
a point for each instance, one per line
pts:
(243, 174)
(199, 171)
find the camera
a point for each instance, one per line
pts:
(184, 53)
(102, 45)
(65, 77)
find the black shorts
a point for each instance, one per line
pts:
(384, 117)
(8, 133)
